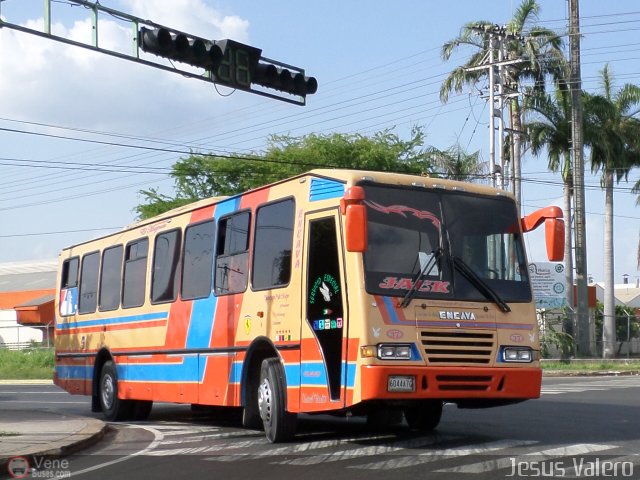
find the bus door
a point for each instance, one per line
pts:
(323, 374)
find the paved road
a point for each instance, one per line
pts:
(578, 426)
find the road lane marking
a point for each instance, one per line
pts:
(443, 454)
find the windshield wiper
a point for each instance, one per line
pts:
(482, 286)
(423, 271)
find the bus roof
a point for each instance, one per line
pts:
(349, 177)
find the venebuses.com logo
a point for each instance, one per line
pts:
(40, 467)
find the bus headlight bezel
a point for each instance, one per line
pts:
(394, 351)
(517, 355)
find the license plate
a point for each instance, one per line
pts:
(401, 383)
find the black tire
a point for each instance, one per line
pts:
(424, 416)
(279, 425)
(113, 408)
(141, 409)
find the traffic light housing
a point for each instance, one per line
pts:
(228, 62)
(180, 47)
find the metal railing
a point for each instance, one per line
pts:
(559, 330)
(19, 337)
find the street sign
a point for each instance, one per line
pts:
(548, 282)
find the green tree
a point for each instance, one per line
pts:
(612, 132)
(539, 48)
(202, 176)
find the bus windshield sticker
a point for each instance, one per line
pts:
(394, 283)
(403, 209)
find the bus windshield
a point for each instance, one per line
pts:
(443, 244)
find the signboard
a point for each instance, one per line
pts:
(547, 280)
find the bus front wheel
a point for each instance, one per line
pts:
(113, 408)
(425, 416)
(279, 425)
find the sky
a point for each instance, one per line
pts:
(81, 133)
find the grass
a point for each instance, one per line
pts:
(28, 364)
(592, 366)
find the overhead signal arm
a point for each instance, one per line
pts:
(223, 62)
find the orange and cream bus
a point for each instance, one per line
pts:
(336, 291)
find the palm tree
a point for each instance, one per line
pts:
(538, 48)
(456, 164)
(612, 132)
(551, 129)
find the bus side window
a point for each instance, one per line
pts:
(134, 279)
(166, 255)
(111, 278)
(272, 246)
(232, 254)
(197, 260)
(70, 273)
(89, 283)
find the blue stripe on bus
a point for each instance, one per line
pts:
(235, 375)
(114, 321)
(324, 189)
(74, 372)
(187, 371)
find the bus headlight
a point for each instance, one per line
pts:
(394, 351)
(517, 354)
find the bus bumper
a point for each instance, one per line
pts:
(450, 383)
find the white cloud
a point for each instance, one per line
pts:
(51, 82)
(191, 16)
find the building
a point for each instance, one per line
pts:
(27, 294)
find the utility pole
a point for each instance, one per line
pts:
(496, 36)
(584, 344)
(492, 110)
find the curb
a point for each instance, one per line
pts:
(26, 382)
(91, 434)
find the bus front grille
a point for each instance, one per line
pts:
(451, 347)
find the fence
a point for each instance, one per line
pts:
(17, 337)
(556, 342)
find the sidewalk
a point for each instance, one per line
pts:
(33, 433)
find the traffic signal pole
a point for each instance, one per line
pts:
(223, 62)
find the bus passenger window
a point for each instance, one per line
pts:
(273, 245)
(135, 273)
(110, 279)
(89, 283)
(166, 255)
(232, 260)
(197, 260)
(70, 273)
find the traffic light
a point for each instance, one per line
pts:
(283, 79)
(180, 47)
(230, 63)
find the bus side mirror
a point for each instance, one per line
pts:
(352, 207)
(554, 236)
(356, 228)
(553, 227)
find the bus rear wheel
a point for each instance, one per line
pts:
(425, 416)
(279, 425)
(113, 408)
